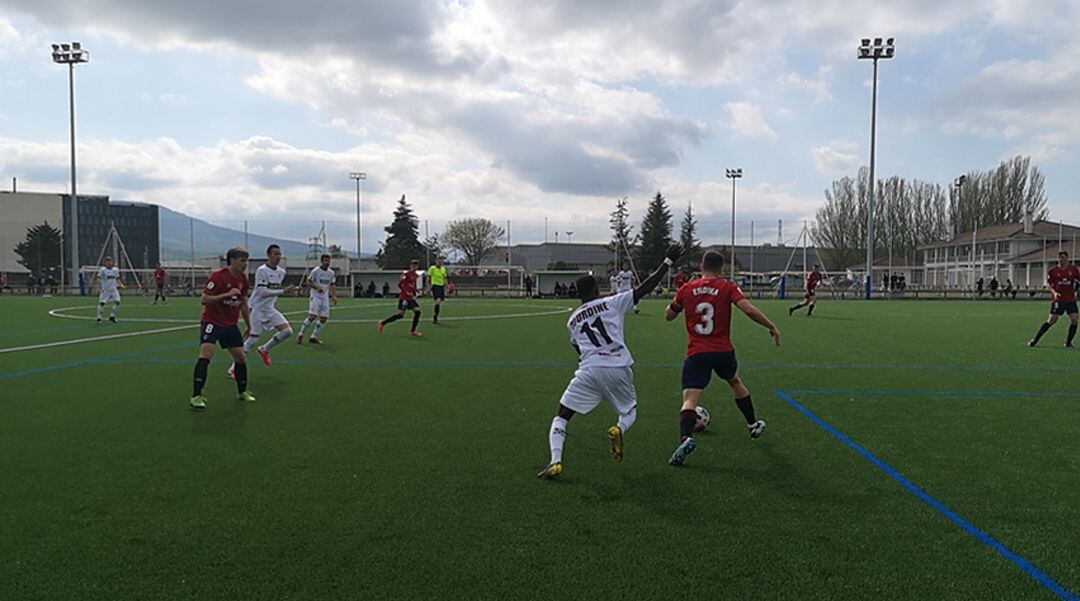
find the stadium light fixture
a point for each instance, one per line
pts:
(359, 176)
(569, 237)
(71, 55)
(873, 49)
(733, 174)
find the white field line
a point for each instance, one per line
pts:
(34, 347)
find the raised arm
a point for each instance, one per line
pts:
(758, 317)
(651, 282)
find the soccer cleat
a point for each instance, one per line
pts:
(614, 434)
(1069, 345)
(1032, 343)
(264, 354)
(686, 447)
(112, 318)
(550, 472)
(300, 339)
(198, 403)
(636, 310)
(99, 320)
(790, 312)
(414, 333)
(312, 340)
(381, 326)
(231, 372)
(246, 396)
(757, 429)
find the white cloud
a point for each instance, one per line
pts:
(815, 87)
(12, 41)
(747, 121)
(830, 161)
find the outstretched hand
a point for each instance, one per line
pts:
(674, 252)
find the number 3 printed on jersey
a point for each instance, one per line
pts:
(706, 311)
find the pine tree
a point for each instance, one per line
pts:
(403, 239)
(40, 252)
(655, 234)
(689, 240)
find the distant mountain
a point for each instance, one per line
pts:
(213, 240)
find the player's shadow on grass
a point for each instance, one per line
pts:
(224, 417)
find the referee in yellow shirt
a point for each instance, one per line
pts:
(437, 277)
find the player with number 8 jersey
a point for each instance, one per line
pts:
(603, 373)
(706, 303)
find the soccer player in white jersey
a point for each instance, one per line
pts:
(625, 279)
(596, 333)
(109, 284)
(321, 283)
(269, 278)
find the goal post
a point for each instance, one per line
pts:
(462, 280)
(179, 281)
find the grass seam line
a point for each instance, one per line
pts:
(1025, 565)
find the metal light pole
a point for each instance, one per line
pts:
(569, 237)
(733, 174)
(873, 49)
(71, 55)
(359, 176)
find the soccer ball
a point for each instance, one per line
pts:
(702, 419)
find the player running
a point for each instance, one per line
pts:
(406, 299)
(109, 284)
(625, 281)
(813, 279)
(159, 282)
(269, 278)
(224, 300)
(707, 302)
(596, 333)
(1062, 279)
(437, 277)
(323, 293)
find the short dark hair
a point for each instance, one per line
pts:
(236, 252)
(272, 247)
(587, 283)
(324, 257)
(417, 261)
(1063, 253)
(712, 261)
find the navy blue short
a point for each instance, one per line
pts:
(408, 305)
(697, 370)
(1060, 308)
(227, 337)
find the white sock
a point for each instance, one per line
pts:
(100, 310)
(251, 342)
(278, 338)
(318, 328)
(627, 421)
(304, 326)
(115, 308)
(556, 438)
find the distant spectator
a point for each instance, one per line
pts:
(979, 286)
(386, 290)
(994, 287)
(528, 286)
(371, 289)
(3, 283)
(1008, 290)
(572, 292)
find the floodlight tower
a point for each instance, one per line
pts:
(359, 176)
(71, 55)
(733, 174)
(873, 49)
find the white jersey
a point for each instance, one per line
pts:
(625, 281)
(268, 285)
(109, 278)
(324, 278)
(613, 283)
(596, 330)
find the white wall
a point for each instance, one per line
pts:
(19, 211)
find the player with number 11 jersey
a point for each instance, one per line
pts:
(706, 303)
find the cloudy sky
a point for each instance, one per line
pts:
(522, 110)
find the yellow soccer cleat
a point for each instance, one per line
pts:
(614, 434)
(550, 472)
(246, 396)
(198, 403)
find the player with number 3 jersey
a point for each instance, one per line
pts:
(603, 373)
(706, 303)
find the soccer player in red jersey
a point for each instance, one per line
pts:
(679, 280)
(707, 304)
(406, 299)
(224, 300)
(1062, 279)
(813, 279)
(159, 279)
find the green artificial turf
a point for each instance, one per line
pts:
(404, 468)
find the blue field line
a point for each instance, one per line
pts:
(983, 537)
(945, 393)
(95, 361)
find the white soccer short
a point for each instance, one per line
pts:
(319, 305)
(591, 385)
(106, 297)
(262, 321)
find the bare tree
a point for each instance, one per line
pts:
(475, 238)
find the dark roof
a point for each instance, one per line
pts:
(1046, 254)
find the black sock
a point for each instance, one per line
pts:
(1044, 328)
(1072, 333)
(810, 311)
(795, 308)
(390, 319)
(415, 320)
(746, 405)
(687, 420)
(240, 371)
(437, 308)
(201, 367)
